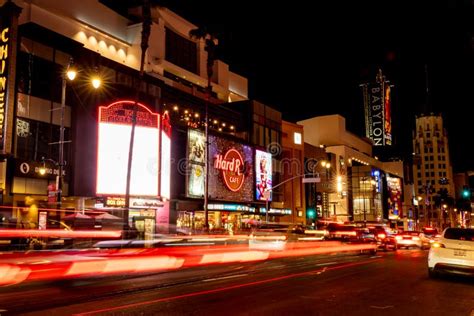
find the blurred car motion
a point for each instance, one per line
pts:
(409, 239)
(384, 237)
(453, 252)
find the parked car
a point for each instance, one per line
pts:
(453, 252)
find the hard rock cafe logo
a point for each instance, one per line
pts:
(232, 165)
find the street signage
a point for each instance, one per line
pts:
(311, 180)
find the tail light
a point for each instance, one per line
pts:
(381, 236)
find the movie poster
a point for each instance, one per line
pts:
(196, 163)
(263, 173)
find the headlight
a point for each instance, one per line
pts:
(438, 245)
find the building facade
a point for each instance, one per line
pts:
(432, 172)
(50, 36)
(366, 189)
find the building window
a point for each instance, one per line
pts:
(444, 173)
(181, 51)
(433, 182)
(297, 138)
(431, 158)
(428, 135)
(432, 173)
(427, 166)
(432, 166)
(258, 134)
(420, 183)
(426, 150)
(427, 174)
(440, 174)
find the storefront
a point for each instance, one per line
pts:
(231, 191)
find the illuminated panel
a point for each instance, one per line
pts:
(113, 146)
(263, 175)
(165, 165)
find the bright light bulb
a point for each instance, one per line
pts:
(96, 83)
(71, 73)
(42, 171)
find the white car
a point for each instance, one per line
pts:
(453, 252)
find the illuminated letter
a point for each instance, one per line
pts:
(4, 51)
(4, 35)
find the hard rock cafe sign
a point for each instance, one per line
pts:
(231, 165)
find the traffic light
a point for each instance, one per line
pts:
(310, 213)
(466, 192)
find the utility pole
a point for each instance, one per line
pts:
(146, 26)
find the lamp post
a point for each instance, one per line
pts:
(71, 75)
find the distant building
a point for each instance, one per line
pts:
(363, 187)
(432, 170)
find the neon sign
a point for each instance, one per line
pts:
(231, 165)
(3, 82)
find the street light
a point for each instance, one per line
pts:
(71, 73)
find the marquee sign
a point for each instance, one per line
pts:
(231, 165)
(115, 126)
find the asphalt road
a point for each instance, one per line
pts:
(394, 283)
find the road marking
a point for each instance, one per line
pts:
(227, 288)
(382, 307)
(225, 277)
(325, 263)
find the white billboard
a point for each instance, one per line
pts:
(113, 148)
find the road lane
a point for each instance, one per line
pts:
(394, 284)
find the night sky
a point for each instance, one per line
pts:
(308, 58)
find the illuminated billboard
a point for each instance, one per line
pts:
(263, 175)
(113, 148)
(377, 108)
(165, 157)
(196, 153)
(394, 187)
(231, 176)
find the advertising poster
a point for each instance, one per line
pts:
(263, 175)
(196, 153)
(387, 116)
(394, 186)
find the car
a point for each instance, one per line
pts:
(384, 237)
(341, 232)
(429, 235)
(409, 239)
(452, 253)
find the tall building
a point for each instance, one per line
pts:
(432, 171)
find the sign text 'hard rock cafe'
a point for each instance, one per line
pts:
(231, 164)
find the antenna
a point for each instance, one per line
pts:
(427, 107)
